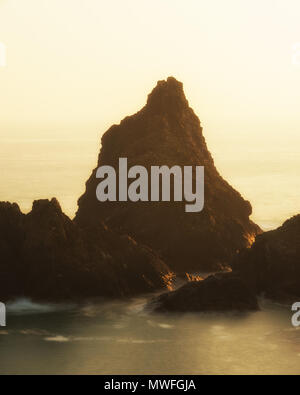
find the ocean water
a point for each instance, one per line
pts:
(266, 175)
(33, 169)
(122, 338)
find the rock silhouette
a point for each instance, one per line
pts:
(46, 256)
(119, 249)
(167, 132)
(220, 292)
(272, 265)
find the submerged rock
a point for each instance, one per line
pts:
(220, 292)
(167, 132)
(45, 255)
(272, 265)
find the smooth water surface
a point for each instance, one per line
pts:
(122, 338)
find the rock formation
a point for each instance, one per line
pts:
(272, 265)
(44, 255)
(167, 132)
(120, 249)
(220, 292)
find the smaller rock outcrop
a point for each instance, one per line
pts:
(272, 265)
(220, 292)
(46, 256)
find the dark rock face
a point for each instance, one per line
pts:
(167, 132)
(44, 255)
(272, 264)
(11, 238)
(220, 292)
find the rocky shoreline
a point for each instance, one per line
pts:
(221, 292)
(123, 249)
(269, 268)
(46, 256)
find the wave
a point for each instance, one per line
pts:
(27, 306)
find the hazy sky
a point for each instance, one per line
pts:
(74, 67)
(92, 62)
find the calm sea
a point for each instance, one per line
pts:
(120, 337)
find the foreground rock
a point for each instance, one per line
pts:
(221, 292)
(272, 265)
(44, 255)
(167, 132)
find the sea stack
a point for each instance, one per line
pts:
(167, 132)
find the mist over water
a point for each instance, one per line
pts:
(121, 338)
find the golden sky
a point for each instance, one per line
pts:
(92, 62)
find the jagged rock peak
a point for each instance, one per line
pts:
(43, 205)
(292, 222)
(7, 206)
(168, 94)
(167, 132)
(46, 256)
